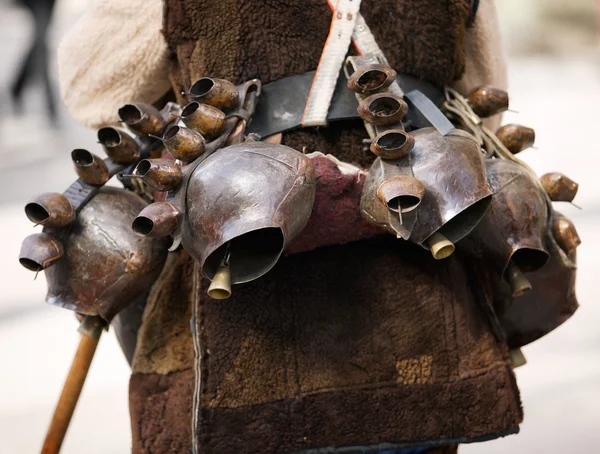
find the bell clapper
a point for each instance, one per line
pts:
(517, 358)
(91, 329)
(440, 246)
(400, 213)
(519, 284)
(220, 286)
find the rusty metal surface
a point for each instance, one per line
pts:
(40, 250)
(565, 234)
(487, 101)
(392, 144)
(550, 303)
(207, 120)
(371, 78)
(183, 143)
(50, 209)
(255, 196)
(382, 109)
(157, 220)
(105, 265)
(456, 194)
(118, 145)
(378, 211)
(559, 187)
(219, 93)
(89, 167)
(142, 119)
(160, 174)
(516, 138)
(516, 224)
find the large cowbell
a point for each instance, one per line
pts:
(242, 204)
(552, 300)
(456, 191)
(447, 192)
(550, 303)
(513, 230)
(105, 266)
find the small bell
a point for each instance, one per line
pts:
(183, 143)
(89, 167)
(487, 101)
(219, 93)
(519, 284)
(51, 210)
(559, 187)
(220, 286)
(160, 174)
(565, 234)
(516, 138)
(142, 119)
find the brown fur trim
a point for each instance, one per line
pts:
(371, 342)
(165, 341)
(160, 407)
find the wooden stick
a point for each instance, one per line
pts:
(91, 328)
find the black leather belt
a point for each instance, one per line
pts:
(281, 104)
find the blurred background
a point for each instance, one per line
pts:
(554, 60)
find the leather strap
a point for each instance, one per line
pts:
(365, 44)
(430, 111)
(281, 103)
(334, 53)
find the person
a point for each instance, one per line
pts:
(369, 346)
(36, 60)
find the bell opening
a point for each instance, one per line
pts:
(202, 87)
(36, 213)
(82, 157)
(130, 114)
(143, 167)
(385, 106)
(391, 141)
(529, 259)
(218, 293)
(252, 255)
(444, 251)
(143, 225)
(404, 202)
(31, 265)
(372, 79)
(171, 132)
(190, 109)
(109, 137)
(462, 224)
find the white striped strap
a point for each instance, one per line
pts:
(343, 23)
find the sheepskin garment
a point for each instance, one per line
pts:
(364, 346)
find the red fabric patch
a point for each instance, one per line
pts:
(335, 218)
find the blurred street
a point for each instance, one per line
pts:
(557, 94)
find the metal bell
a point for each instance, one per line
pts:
(105, 266)
(456, 193)
(247, 202)
(513, 230)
